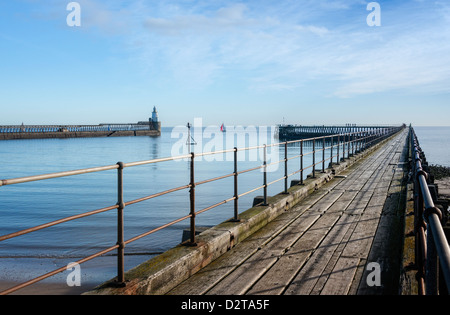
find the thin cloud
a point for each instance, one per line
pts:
(283, 45)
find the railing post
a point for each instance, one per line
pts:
(120, 227)
(314, 159)
(348, 146)
(345, 146)
(301, 162)
(431, 270)
(363, 139)
(353, 144)
(236, 195)
(323, 155)
(192, 201)
(359, 150)
(265, 175)
(331, 153)
(356, 140)
(338, 161)
(285, 169)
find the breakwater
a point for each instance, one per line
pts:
(79, 131)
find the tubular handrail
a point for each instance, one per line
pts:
(46, 225)
(350, 144)
(428, 218)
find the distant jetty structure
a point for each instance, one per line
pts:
(151, 127)
(298, 132)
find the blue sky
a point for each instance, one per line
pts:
(238, 62)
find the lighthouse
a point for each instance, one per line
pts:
(154, 121)
(154, 115)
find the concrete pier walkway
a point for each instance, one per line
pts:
(345, 238)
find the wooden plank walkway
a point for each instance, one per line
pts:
(322, 245)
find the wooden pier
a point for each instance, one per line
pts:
(346, 238)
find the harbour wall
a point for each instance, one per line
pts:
(78, 134)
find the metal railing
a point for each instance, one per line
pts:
(340, 146)
(431, 241)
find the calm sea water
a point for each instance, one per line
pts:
(435, 142)
(30, 204)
